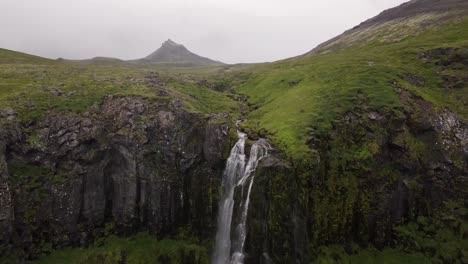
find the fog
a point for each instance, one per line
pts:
(231, 31)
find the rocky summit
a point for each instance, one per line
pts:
(173, 53)
(355, 152)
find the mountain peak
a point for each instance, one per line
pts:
(170, 43)
(171, 52)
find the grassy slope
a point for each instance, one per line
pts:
(142, 248)
(328, 84)
(9, 56)
(139, 249)
(26, 87)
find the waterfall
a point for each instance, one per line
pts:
(234, 169)
(236, 174)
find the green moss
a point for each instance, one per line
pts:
(35, 141)
(416, 148)
(21, 173)
(32, 182)
(32, 176)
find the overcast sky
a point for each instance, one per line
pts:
(231, 31)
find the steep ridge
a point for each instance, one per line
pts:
(396, 23)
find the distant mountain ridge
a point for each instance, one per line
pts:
(171, 52)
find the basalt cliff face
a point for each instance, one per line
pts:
(128, 163)
(131, 165)
(409, 166)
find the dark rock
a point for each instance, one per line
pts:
(414, 80)
(374, 116)
(56, 92)
(6, 202)
(177, 103)
(7, 112)
(138, 165)
(155, 80)
(294, 83)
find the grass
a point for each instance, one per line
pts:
(29, 88)
(8, 57)
(337, 255)
(300, 96)
(139, 249)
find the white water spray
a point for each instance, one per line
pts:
(236, 174)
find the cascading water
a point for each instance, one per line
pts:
(259, 150)
(235, 166)
(236, 174)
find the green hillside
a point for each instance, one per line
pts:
(34, 89)
(302, 96)
(9, 56)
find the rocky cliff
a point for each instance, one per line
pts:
(373, 172)
(130, 164)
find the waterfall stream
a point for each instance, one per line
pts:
(237, 173)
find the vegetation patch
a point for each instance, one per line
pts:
(139, 249)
